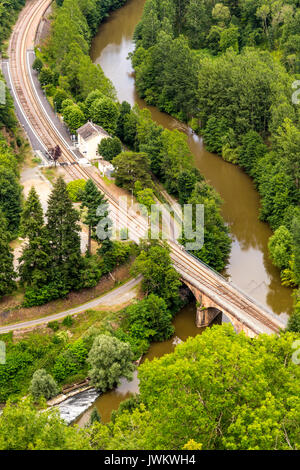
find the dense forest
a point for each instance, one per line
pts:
(200, 401)
(228, 68)
(80, 91)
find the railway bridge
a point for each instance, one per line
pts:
(213, 293)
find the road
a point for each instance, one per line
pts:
(246, 311)
(116, 297)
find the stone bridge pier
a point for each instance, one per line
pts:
(208, 310)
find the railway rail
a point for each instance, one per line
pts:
(47, 133)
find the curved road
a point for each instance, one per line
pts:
(246, 311)
(115, 297)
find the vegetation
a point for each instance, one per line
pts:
(109, 360)
(218, 410)
(43, 385)
(23, 427)
(151, 148)
(230, 68)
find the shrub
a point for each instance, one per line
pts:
(109, 360)
(76, 190)
(43, 385)
(68, 321)
(54, 325)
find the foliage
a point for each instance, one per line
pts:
(150, 319)
(70, 360)
(159, 276)
(76, 190)
(131, 167)
(7, 273)
(96, 210)
(109, 148)
(43, 385)
(233, 392)
(109, 360)
(23, 427)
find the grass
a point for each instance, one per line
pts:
(50, 174)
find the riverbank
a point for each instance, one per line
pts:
(249, 265)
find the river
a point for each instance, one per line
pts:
(249, 266)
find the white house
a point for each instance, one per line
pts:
(89, 137)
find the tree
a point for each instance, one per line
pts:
(233, 392)
(92, 200)
(159, 276)
(37, 64)
(23, 427)
(105, 113)
(73, 116)
(43, 385)
(125, 109)
(150, 319)
(296, 245)
(63, 235)
(59, 97)
(109, 360)
(10, 199)
(280, 247)
(131, 167)
(7, 273)
(75, 189)
(35, 258)
(55, 154)
(46, 76)
(109, 148)
(32, 217)
(186, 183)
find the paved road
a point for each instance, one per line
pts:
(238, 306)
(115, 297)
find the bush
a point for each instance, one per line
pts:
(54, 325)
(109, 360)
(68, 321)
(109, 148)
(70, 361)
(43, 385)
(76, 190)
(34, 297)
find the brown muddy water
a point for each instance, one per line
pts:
(249, 266)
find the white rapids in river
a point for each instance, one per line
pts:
(73, 407)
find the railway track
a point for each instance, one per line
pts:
(49, 136)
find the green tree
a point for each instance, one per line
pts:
(109, 148)
(131, 167)
(150, 319)
(159, 276)
(92, 200)
(59, 97)
(35, 258)
(7, 273)
(23, 427)
(233, 392)
(10, 199)
(63, 235)
(280, 247)
(105, 113)
(43, 385)
(109, 360)
(37, 64)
